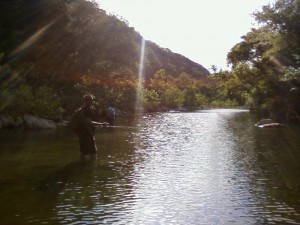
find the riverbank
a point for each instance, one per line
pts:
(35, 122)
(30, 122)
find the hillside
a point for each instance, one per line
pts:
(76, 36)
(69, 46)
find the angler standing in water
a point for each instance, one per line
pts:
(111, 114)
(83, 121)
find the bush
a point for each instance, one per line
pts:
(224, 104)
(40, 103)
(151, 100)
(173, 98)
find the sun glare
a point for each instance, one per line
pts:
(139, 91)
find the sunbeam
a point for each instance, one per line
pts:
(139, 91)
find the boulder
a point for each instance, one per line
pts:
(63, 123)
(19, 122)
(58, 118)
(32, 122)
(268, 123)
(7, 121)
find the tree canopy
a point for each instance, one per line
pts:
(266, 62)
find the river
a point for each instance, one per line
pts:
(202, 167)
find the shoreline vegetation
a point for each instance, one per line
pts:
(30, 122)
(36, 122)
(54, 52)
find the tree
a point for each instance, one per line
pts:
(270, 52)
(41, 102)
(151, 100)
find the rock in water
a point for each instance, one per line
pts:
(32, 122)
(7, 121)
(268, 123)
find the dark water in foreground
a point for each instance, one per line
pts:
(204, 167)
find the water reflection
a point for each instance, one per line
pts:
(268, 158)
(187, 163)
(88, 193)
(204, 167)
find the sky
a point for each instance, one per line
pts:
(202, 30)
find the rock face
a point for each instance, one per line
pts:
(32, 122)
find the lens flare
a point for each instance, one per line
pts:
(139, 91)
(30, 41)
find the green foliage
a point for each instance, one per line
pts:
(224, 104)
(176, 92)
(6, 98)
(266, 63)
(45, 103)
(151, 100)
(291, 72)
(193, 98)
(23, 100)
(257, 45)
(41, 102)
(173, 98)
(184, 80)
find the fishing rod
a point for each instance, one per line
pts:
(126, 127)
(106, 125)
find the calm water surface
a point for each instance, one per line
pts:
(203, 167)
